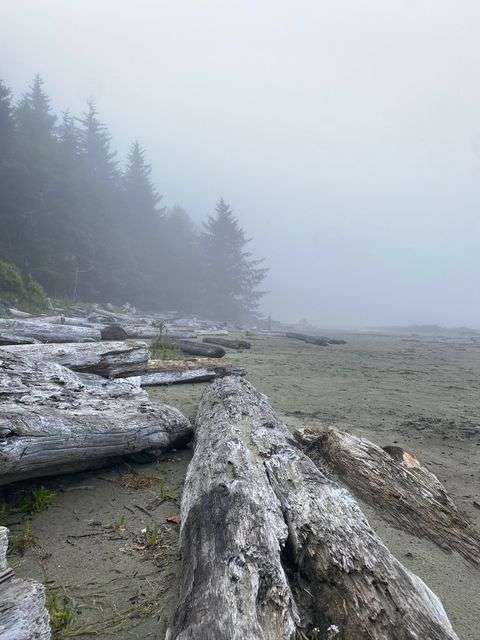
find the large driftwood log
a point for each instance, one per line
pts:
(23, 614)
(272, 548)
(161, 372)
(108, 359)
(53, 420)
(404, 493)
(230, 343)
(47, 332)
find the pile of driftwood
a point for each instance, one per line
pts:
(274, 546)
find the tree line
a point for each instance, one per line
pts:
(89, 228)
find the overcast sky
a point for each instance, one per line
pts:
(344, 133)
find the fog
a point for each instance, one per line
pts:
(345, 134)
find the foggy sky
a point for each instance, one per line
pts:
(344, 133)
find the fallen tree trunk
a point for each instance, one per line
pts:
(23, 612)
(53, 420)
(199, 349)
(46, 332)
(231, 344)
(161, 372)
(321, 341)
(404, 493)
(108, 359)
(273, 549)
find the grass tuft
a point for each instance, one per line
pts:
(37, 501)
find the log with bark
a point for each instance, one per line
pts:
(405, 493)
(23, 612)
(47, 332)
(108, 359)
(272, 548)
(161, 372)
(229, 343)
(54, 420)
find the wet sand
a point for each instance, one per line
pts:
(420, 394)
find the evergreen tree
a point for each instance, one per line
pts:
(6, 121)
(231, 276)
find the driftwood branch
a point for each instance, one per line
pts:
(274, 549)
(393, 481)
(23, 614)
(53, 420)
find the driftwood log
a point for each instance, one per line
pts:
(272, 548)
(53, 420)
(189, 347)
(9, 338)
(23, 614)
(318, 340)
(230, 343)
(108, 359)
(161, 372)
(48, 332)
(405, 493)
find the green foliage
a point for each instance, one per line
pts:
(120, 523)
(166, 493)
(23, 540)
(153, 536)
(161, 348)
(62, 613)
(38, 500)
(20, 290)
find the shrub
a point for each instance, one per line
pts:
(17, 289)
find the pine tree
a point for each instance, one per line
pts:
(95, 146)
(6, 121)
(231, 275)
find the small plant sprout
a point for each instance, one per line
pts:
(120, 523)
(38, 500)
(161, 348)
(62, 613)
(153, 536)
(23, 540)
(166, 492)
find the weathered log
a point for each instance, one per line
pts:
(53, 420)
(321, 341)
(199, 349)
(16, 313)
(8, 338)
(23, 614)
(255, 510)
(108, 359)
(231, 344)
(46, 332)
(161, 372)
(405, 493)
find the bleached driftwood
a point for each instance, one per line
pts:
(16, 313)
(108, 359)
(272, 548)
(53, 420)
(161, 372)
(394, 482)
(47, 332)
(230, 343)
(9, 338)
(23, 614)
